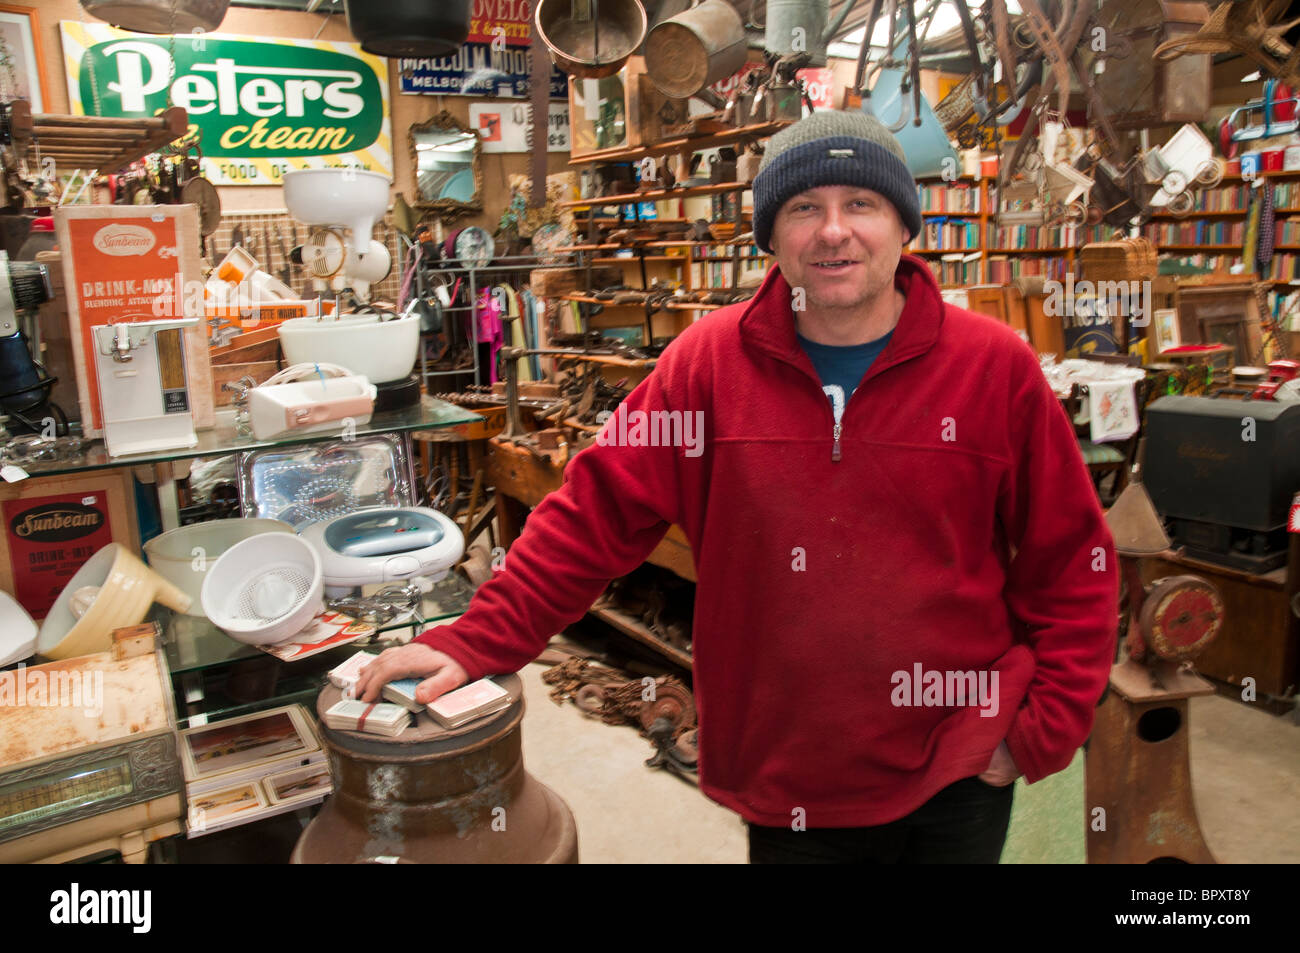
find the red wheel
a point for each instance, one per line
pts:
(1180, 616)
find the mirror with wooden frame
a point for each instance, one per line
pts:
(447, 157)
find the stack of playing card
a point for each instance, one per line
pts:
(346, 675)
(475, 700)
(402, 692)
(373, 718)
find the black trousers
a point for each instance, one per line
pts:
(965, 823)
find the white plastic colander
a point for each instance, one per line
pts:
(264, 589)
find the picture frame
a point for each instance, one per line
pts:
(242, 744)
(1166, 331)
(225, 807)
(301, 785)
(21, 31)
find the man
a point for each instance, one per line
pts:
(907, 592)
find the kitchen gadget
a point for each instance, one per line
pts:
(264, 589)
(112, 590)
(24, 385)
(286, 404)
(142, 388)
(340, 199)
(384, 545)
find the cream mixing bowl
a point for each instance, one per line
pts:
(381, 351)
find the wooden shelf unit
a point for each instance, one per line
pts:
(91, 142)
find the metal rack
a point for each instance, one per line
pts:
(501, 264)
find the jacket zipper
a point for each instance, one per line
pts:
(839, 429)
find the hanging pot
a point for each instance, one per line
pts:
(406, 28)
(580, 47)
(159, 16)
(695, 49)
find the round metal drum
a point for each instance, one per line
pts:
(434, 795)
(685, 53)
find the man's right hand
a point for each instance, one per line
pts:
(439, 673)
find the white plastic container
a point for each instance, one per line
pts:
(380, 351)
(183, 556)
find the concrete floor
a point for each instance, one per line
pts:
(1245, 775)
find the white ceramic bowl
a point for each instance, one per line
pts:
(379, 350)
(184, 555)
(265, 589)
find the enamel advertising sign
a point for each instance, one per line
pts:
(260, 106)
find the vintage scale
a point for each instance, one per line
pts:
(72, 784)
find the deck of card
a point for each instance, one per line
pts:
(345, 676)
(484, 697)
(373, 718)
(402, 692)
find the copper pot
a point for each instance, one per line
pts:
(159, 16)
(437, 796)
(590, 38)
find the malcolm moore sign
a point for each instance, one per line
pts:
(261, 106)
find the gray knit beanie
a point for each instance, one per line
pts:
(832, 147)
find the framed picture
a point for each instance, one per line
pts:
(23, 75)
(304, 784)
(224, 808)
(263, 737)
(1165, 327)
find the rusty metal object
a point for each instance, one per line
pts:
(1144, 88)
(672, 700)
(695, 48)
(590, 38)
(1138, 798)
(590, 698)
(437, 796)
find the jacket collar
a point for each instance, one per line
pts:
(768, 319)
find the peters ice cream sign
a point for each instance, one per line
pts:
(261, 106)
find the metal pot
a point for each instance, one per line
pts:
(403, 28)
(581, 48)
(159, 16)
(696, 48)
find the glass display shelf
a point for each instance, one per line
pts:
(223, 439)
(193, 644)
(214, 677)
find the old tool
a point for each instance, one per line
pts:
(285, 274)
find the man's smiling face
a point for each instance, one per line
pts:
(841, 244)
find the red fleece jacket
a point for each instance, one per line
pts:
(956, 532)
